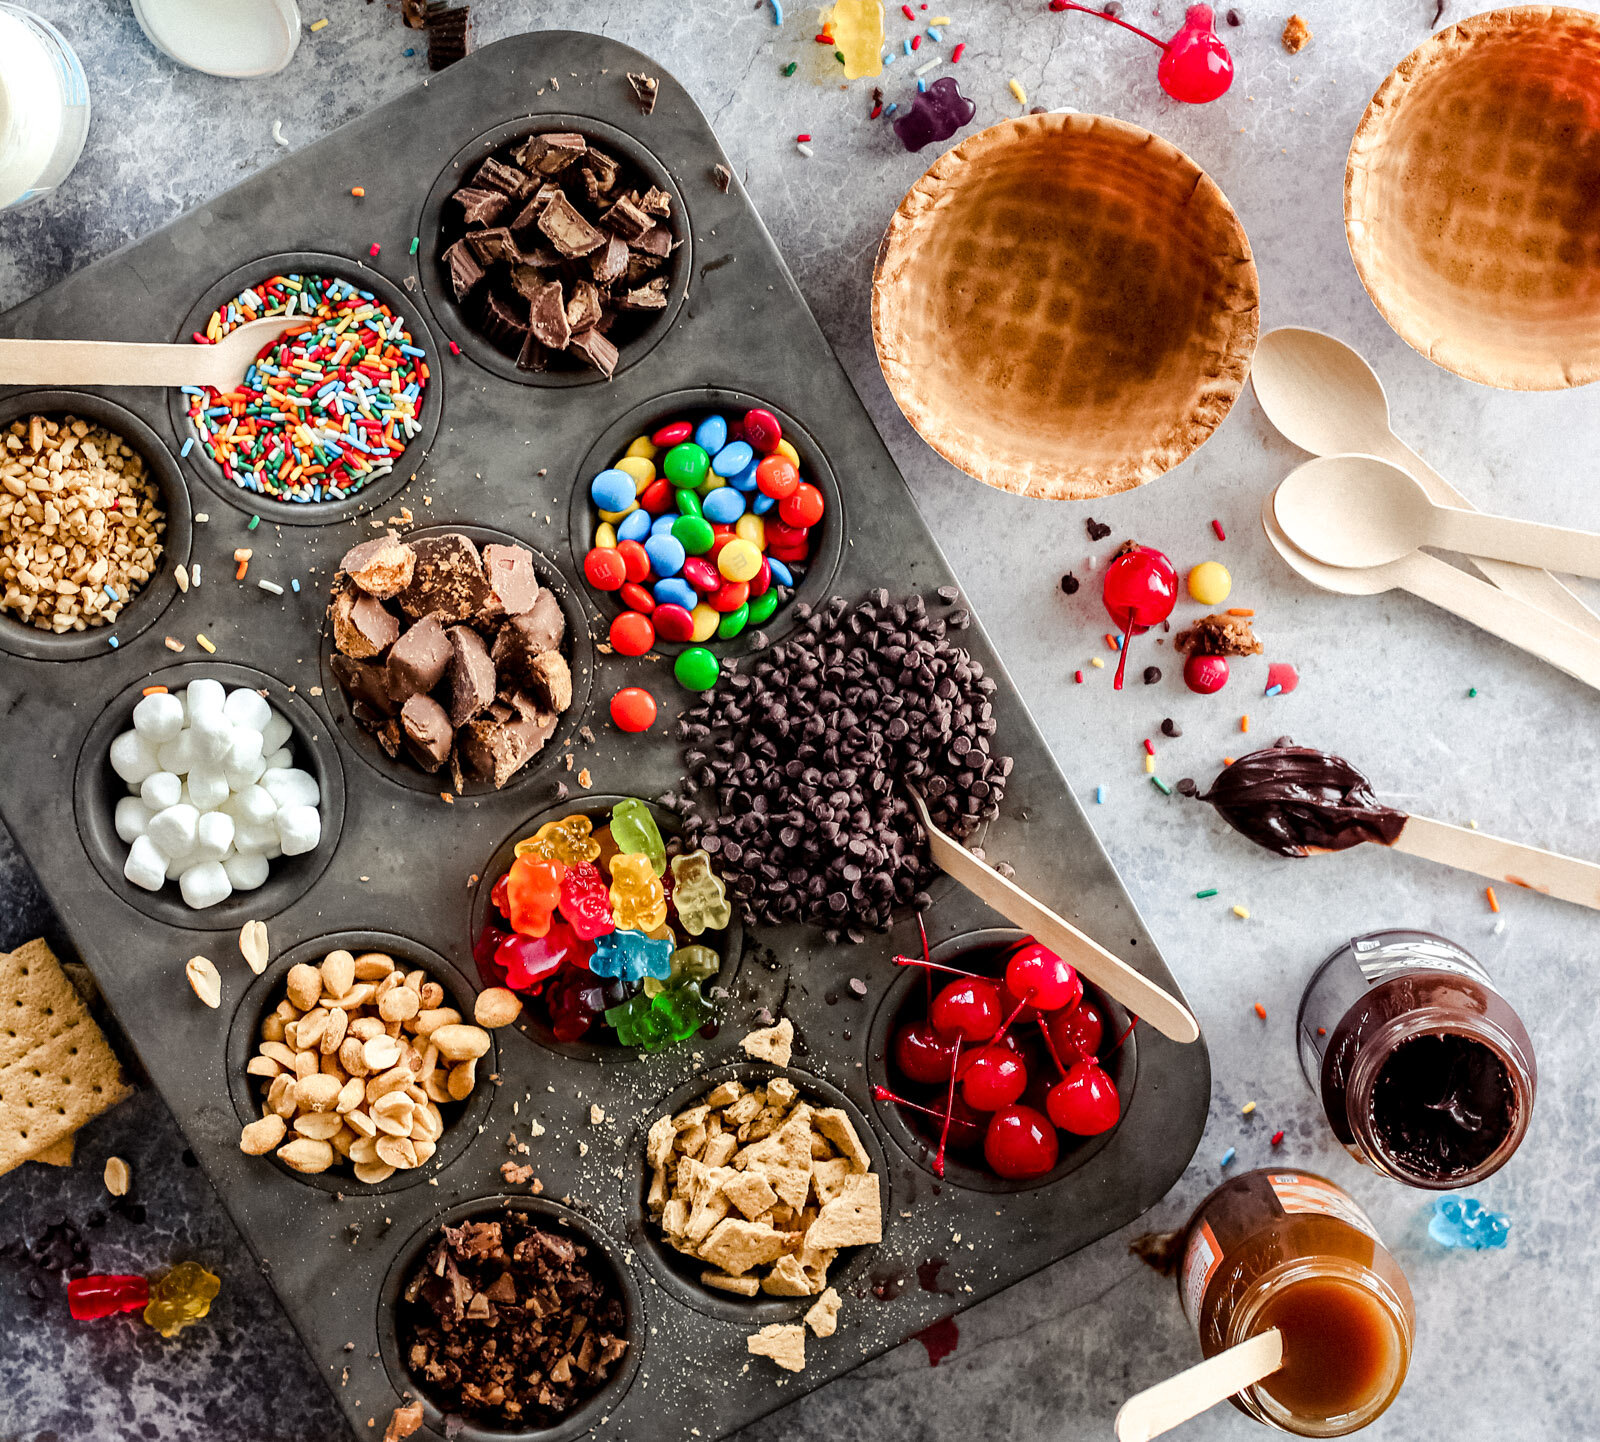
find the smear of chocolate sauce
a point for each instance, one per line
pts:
(1293, 799)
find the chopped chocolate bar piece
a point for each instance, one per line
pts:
(472, 681)
(584, 309)
(645, 88)
(365, 683)
(641, 267)
(626, 219)
(448, 579)
(657, 202)
(552, 151)
(427, 730)
(534, 355)
(656, 241)
(610, 263)
(449, 36)
(526, 637)
(603, 168)
(550, 680)
(646, 297)
(548, 317)
(389, 735)
(497, 749)
(527, 281)
(494, 245)
(511, 575)
(497, 175)
(502, 324)
(417, 661)
(362, 627)
(569, 232)
(481, 207)
(597, 350)
(465, 272)
(381, 567)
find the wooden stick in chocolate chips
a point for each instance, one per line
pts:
(1298, 801)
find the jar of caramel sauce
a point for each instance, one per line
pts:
(1289, 1249)
(1425, 1072)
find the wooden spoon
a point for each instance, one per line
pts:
(1160, 1408)
(125, 363)
(1324, 397)
(1113, 976)
(1497, 612)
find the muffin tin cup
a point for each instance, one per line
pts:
(678, 1275)
(374, 493)
(966, 1169)
(821, 568)
(578, 649)
(436, 285)
(729, 941)
(96, 789)
(603, 1253)
(462, 1120)
(144, 610)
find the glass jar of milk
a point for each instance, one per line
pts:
(44, 107)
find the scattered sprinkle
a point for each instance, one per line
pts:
(1100, 795)
(1018, 91)
(1205, 895)
(1161, 786)
(187, 446)
(416, 240)
(374, 248)
(1498, 927)
(802, 138)
(958, 52)
(1244, 723)
(172, 643)
(317, 25)
(933, 64)
(270, 586)
(804, 149)
(1150, 765)
(791, 67)
(935, 33)
(355, 190)
(1149, 748)
(1240, 611)
(254, 522)
(277, 133)
(204, 643)
(1097, 663)
(180, 574)
(1247, 1108)
(1261, 1011)
(1273, 691)
(454, 348)
(777, 12)
(194, 575)
(295, 584)
(113, 642)
(1243, 913)
(1216, 526)
(1228, 1156)
(1078, 677)
(1471, 692)
(1277, 1139)
(1493, 900)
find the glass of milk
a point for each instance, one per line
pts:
(44, 107)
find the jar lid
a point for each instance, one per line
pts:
(240, 39)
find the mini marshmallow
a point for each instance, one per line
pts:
(213, 836)
(247, 708)
(299, 829)
(161, 789)
(208, 788)
(244, 746)
(240, 777)
(280, 760)
(205, 885)
(212, 734)
(204, 697)
(158, 717)
(172, 831)
(132, 817)
(133, 757)
(253, 804)
(253, 838)
(272, 851)
(276, 732)
(145, 866)
(178, 755)
(292, 787)
(246, 872)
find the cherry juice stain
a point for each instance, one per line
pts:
(887, 1282)
(940, 1339)
(928, 1275)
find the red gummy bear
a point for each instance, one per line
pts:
(586, 901)
(530, 961)
(533, 891)
(90, 1298)
(497, 895)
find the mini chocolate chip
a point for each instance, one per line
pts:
(857, 986)
(1235, 18)
(947, 594)
(1169, 727)
(1284, 741)
(1152, 674)
(1070, 584)
(1186, 787)
(1098, 531)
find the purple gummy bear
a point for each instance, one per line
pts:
(936, 114)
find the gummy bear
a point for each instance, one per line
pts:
(857, 30)
(638, 902)
(497, 895)
(575, 1001)
(182, 1296)
(569, 840)
(698, 894)
(490, 972)
(586, 901)
(90, 1298)
(936, 114)
(689, 963)
(633, 828)
(684, 1010)
(1466, 1222)
(529, 961)
(533, 891)
(637, 1023)
(631, 956)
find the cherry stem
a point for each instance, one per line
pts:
(949, 1110)
(927, 976)
(1050, 1046)
(999, 1036)
(1101, 15)
(883, 1094)
(1125, 1035)
(934, 966)
(1127, 630)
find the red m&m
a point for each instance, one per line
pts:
(633, 709)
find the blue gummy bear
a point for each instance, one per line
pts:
(1466, 1222)
(935, 114)
(631, 956)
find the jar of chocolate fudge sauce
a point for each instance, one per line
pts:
(1424, 1070)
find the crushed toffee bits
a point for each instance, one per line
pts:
(801, 763)
(80, 524)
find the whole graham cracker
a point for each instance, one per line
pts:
(56, 1069)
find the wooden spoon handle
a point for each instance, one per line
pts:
(1526, 583)
(1564, 877)
(102, 363)
(1160, 1408)
(1504, 538)
(1503, 615)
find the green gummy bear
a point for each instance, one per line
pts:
(634, 830)
(693, 963)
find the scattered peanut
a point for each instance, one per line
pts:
(253, 945)
(496, 1006)
(260, 1137)
(118, 1176)
(205, 981)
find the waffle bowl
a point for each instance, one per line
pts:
(1065, 306)
(1472, 198)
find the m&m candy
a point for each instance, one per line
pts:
(633, 709)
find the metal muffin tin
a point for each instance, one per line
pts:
(403, 862)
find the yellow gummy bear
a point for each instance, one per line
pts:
(180, 1297)
(638, 900)
(857, 30)
(569, 840)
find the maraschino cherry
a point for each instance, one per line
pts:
(968, 1009)
(1195, 64)
(1140, 590)
(1085, 1101)
(1037, 976)
(1077, 1033)
(992, 1077)
(1020, 1143)
(923, 1055)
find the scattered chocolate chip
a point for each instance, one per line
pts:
(948, 594)
(857, 986)
(1284, 741)
(1169, 727)
(1097, 530)
(1111, 8)
(1152, 674)
(1070, 584)
(1186, 787)
(1235, 18)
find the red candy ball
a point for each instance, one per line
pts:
(968, 1008)
(922, 1054)
(779, 535)
(1037, 975)
(1205, 674)
(762, 430)
(605, 569)
(777, 477)
(804, 507)
(632, 634)
(673, 623)
(1085, 1101)
(1140, 589)
(636, 598)
(1076, 1034)
(657, 498)
(633, 709)
(731, 595)
(1020, 1143)
(762, 580)
(635, 562)
(992, 1077)
(1196, 66)
(701, 574)
(673, 435)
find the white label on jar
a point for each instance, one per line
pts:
(1298, 1194)
(1200, 1259)
(1379, 960)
